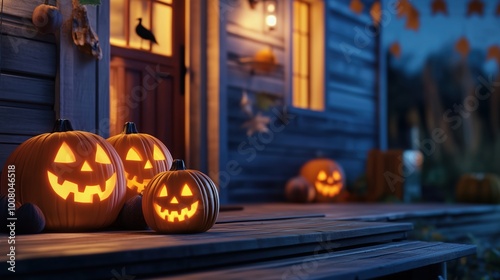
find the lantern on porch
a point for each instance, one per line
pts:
(143, 157)
(75, 178)
(180, 201)
(327, 176)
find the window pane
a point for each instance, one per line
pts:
(304, 92)
(296, 91)
(162, 28)
(165, 1)
(117, 23)
(296, 15)
(304, 55)
(139, 9)
(296, 52)
(304, 17)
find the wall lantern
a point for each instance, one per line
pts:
(270, 9)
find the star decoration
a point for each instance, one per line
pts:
(246, 104)
(413, 20)
(395, 50)
(357, 6)
(403, 8)
(494, 53)
(463, 47)
(376, 12)
(475, 7)
(439, 6)
(257, 124)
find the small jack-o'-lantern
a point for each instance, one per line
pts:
(327, 177)
(75, 178)
(143, 157)
(180, 201)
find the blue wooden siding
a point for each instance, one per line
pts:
(345, 131)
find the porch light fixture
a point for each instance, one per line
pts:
(270, 9)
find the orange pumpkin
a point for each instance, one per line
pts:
(478, 188)
(298, 189)
(180, 201)
(327, 176)
(143, 156)
(75, 178)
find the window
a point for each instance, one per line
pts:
(308, 49)
(156, 16)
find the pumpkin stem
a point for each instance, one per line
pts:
(62, 125)
(178, 164)
(130, 128)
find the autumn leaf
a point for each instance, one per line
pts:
(413, 21)
(475, 7)
(463, 47)
(395, 50)
(357, 6)
(376, 13)
(439, 6)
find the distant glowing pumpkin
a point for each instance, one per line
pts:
(143, 157)
(327, 176)
(74, 177)
(180, 201)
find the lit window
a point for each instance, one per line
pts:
(156, 16)
(307, 72)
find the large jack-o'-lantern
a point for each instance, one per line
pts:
(143, 157)
(75, 178)
(327, 177)
(180, 201)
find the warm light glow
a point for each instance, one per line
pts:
(135, 184)
(301, 55)
(336, 176)
(174, 201)
(86, 167)
(164, 192)
(157, 153)
(65, 154)
(271, 7)
(148, 165)
(87, 196)
(271, 20)
(133, 155)
(329, 185)
(101, 156)
(186, 191)
(170, 216)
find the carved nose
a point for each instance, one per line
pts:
(174, 201)
(86, 167)
(148, 165)
(330, 180)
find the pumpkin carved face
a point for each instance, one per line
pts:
(143, 157)
(180, 201)
(75, 178)
(326, 176)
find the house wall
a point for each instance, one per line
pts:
(44, 77)
(257, 167)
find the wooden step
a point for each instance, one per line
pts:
(420, 259)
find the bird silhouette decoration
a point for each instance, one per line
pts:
(144, 33)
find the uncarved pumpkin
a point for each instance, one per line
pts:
(180, 201)
(327, 176)
(143, 156)
(478, 188)
(298, 189)
(74, 177)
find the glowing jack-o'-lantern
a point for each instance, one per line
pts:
(75, 178)
(143, 157)
(327, 177)
(180, 201)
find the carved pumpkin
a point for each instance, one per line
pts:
(298, 189)
(143, 156)
(75, 178)
(478, 188)
(47, 18)
(327, 177)
(180, 201)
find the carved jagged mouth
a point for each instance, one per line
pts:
(87, 195)
(134, 183)
(170, 216)
(328, 190)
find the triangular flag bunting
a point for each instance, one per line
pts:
(463, 47)
(395, 50)
(439, 6)
(357, 6)
(475, 7)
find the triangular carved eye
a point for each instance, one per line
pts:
(101, 156)
(65, 154)
(164, 192)
(157, 153)
(133, 155)
(336, 175)
(186, 191)
(322, 176)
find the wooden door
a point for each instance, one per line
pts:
(146, 79)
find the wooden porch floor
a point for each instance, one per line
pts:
(257, 233)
